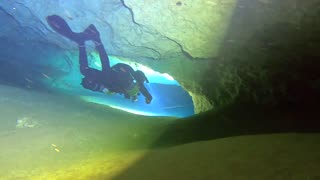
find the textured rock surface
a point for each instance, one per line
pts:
(273, 63)
(180, 30)
(197, 26)
(264, 53)
(119, 33)
(135, 29)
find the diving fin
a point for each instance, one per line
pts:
(91, 33)
(58, 24)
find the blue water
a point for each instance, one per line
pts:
(169, 98)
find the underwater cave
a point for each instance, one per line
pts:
(235, 87)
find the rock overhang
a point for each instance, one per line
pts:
(199, 43)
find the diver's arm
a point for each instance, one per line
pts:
(93, 85)
(99, 88)
(145, 78)
(145, 93)
(140, 77)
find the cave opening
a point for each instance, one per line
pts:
(250, 66)
(169, 98)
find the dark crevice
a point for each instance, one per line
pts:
(37, 30)
(146, 29)
(131, 12)
(10, 16)
(188, 55)
(153, 50)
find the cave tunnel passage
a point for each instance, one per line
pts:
(169, 98)
(70, 133)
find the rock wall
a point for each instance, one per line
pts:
(220, 51)
(198, 27)
(148, 31)
(270, 57)
(137, 29)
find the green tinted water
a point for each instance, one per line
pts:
(56, 132)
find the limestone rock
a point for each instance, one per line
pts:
(198, 26)
(221, 51)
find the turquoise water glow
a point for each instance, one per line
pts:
(169, 98)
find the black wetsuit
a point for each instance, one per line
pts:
(119, 78)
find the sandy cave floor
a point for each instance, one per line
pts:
(77, 140)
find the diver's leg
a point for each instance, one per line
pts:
(58, 24)
(83, 60)
(91, 33)
(105, 62)
(94, 35)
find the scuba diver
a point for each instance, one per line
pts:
(120, 78)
